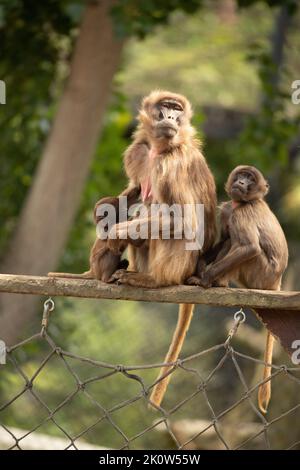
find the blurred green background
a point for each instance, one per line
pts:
(236, 62)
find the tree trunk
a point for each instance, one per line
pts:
(278, 41)
(51, 205)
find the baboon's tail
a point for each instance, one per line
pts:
(264, 391)
(184, 319)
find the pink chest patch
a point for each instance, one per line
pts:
(146, 188)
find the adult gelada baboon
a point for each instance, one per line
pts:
(165, 159)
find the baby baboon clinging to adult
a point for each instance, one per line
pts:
(104, 262)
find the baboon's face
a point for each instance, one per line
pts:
(246, 184)
(167, 118)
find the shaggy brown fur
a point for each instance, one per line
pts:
(166, 160)
(103, 262)
(253, 251)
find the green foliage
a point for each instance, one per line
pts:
(135, 18)
(138, 18)
(33, 38)
(266, 139)
(290, 4)
(204, 59)
(267, 136)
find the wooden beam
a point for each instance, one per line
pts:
(19, 284)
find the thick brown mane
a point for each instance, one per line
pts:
(170, 168)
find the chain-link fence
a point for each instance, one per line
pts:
(215, 431)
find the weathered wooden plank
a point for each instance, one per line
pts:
(227, 297)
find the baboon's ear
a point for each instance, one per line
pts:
(267, 187)
(146, 104)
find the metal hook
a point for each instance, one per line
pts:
(49, 306)
(240, 316)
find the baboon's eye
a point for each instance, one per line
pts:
(249, 176)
